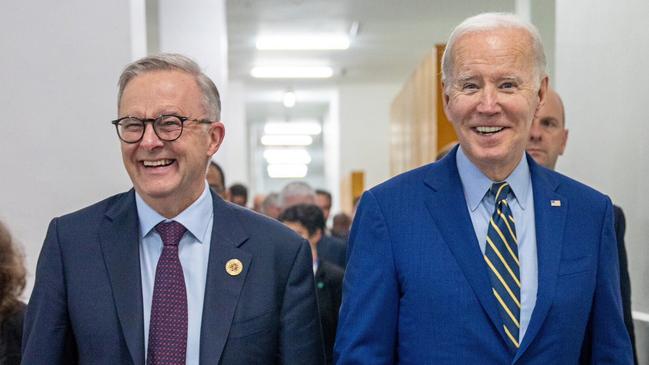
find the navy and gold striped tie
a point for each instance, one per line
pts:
(501, 255)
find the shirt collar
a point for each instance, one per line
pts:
(195, 218)
(476, 184)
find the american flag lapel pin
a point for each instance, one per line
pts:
(555, 203)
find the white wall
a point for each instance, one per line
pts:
(233, 154)
(601, 53)
(59, 68)
(365, 130)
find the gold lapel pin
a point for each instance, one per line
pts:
(233, 267)
(555, 203)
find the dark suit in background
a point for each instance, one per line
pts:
(11, 331)
(625, 281)
(329, 282)
(333, 250)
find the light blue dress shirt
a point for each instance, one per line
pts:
(481, 203)
(193, 250)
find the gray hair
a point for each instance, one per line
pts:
(174, 62)
(272, 200)
(490, 21)
(296, 192)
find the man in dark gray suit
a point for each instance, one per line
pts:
(168, 272)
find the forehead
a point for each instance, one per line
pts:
(500, 50)
(164, 86)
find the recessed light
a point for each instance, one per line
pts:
(289, 99)
(279, 140)
(288, 72)
(303, 42)
(287, 156)
(287, 171)
(301, 126)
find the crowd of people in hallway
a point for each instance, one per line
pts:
(487, 256)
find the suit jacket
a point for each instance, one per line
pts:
(417, 289)
(86, 306)
(329, 289)
(333, 250)
(625, 281)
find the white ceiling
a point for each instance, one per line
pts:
(393, 35)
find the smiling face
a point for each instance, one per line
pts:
(492, 96)
(548, 135)
(169, 176)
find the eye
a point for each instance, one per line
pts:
(131, 124)
(507, 85)
(469, 86)
(548, 123)
(170, 121)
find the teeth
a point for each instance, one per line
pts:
(489, 129)
(157, 163)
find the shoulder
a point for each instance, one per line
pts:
(265, 233)
(568, 187)
(99, 209)
(404, 181)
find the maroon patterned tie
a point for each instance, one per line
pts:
(168, 325)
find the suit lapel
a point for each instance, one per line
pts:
(222, 290)
(549, 223)
(120, 246)
(447, 200)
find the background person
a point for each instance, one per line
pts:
(308, 221)
(12, 310)
(216, 179)
(238, 194)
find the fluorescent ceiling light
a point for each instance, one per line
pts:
(305, 127)
(288, 72)
(286, 140)
(287, 171)
(303, 42)
(287, 156)
(289, 99)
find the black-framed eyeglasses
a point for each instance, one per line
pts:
(167, 127)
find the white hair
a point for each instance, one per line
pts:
(490, 21)
(296, 190)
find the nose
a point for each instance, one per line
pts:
(488, 103)
(535, 131)
(150, 140)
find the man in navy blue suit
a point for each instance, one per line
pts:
(168, 272)
(484, 257)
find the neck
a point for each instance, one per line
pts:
(314, 251)
(169, 207)
(498, 171)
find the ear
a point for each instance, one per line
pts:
(542, 94)
(216, 133)
(445, 99)
(564, 142)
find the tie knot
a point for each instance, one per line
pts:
(500, 190)
(170, 232)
